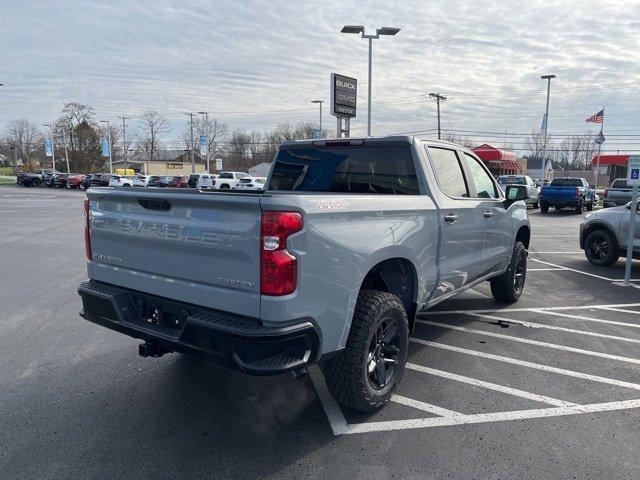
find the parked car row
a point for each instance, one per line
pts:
(224, 181)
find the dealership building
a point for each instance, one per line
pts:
(166, 163)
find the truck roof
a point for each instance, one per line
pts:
(388, 140)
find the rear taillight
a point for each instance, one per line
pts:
(87, 238)
(278, 268)
(578, 192)
(606, 193)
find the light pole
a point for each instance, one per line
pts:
(109, 140)
(206, 136)
(545, 124)
(53, 146)
(319, 102)
(380, 31)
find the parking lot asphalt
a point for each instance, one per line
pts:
(546, 388)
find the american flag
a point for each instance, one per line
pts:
(597, 118)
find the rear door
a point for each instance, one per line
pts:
(497, 243)
(193, 247)
(624, 231)
(461, 223)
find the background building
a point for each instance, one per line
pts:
(500, 162)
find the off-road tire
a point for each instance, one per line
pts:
(610, 256)
(36, 182)
(544, 208)
(225, 187)
(580, 208)
(536, 205)
(505, 288)
(346, 374)
(590, 206)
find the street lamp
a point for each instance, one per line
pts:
(53, 146)
(380, 31)
(206, 135)
(319, 102)
(545, 124)
(109, 137)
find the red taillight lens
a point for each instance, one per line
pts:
(278, 268)
(87, 238)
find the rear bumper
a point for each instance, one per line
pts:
(237, 342)
(561, 202)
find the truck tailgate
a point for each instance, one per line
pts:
(200, 248)
(559, 193)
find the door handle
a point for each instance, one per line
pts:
(488, 214)
(451, 218)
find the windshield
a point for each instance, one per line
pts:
(382, 170)
(566, 182)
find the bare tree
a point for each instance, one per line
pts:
(25, 136)
(153, 127)
(457, 139)
(216, 130)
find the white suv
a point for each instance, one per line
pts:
(141, 180)
(251, 183)
(229, 180)
(120, 181)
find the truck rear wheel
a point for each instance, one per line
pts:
(544, 208)
(366, 373)
(508, 287)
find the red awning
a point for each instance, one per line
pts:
(610, 160)
(487, 152)
(503, 165)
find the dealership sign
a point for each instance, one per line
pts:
(344, 93)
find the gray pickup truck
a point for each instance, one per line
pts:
(330, 264)
(618, 194)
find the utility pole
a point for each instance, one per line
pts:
(439, 98)
(124, 143)
(193, 160)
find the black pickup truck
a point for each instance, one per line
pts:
(36, 178)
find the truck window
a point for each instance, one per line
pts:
(566, 182)
(226, 175)
(619, 183)
(448, 172)
(485, 188)
(371, 170)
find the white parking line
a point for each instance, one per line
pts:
(543, 269)
(523, 363)
(488, 385)
(534, 342)
(620, 310)
(529, 309)
(572, 252)
(491, 417)
(587, 319)
(553, 327)
(426, 407)
(584, 273)
(331, 408)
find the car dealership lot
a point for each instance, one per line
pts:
(546, 388)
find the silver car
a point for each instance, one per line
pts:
(603, 235)
(532, 189)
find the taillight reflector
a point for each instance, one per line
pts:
(278, 268)
(87, 238)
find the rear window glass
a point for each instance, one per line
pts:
(619, 183)
(226, 175)
(512, 180)
(370, 170)
(566, 182)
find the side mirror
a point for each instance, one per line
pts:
(515, 193)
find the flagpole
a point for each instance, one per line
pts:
(595, 182)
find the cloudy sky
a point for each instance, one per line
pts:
(258, 63)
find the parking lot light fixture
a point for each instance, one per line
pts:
(380, 31)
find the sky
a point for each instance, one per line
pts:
(255, 64)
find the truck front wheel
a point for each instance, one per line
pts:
(508, 287)
(366, 373)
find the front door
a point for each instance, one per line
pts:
(497, 243)
(461, 224)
